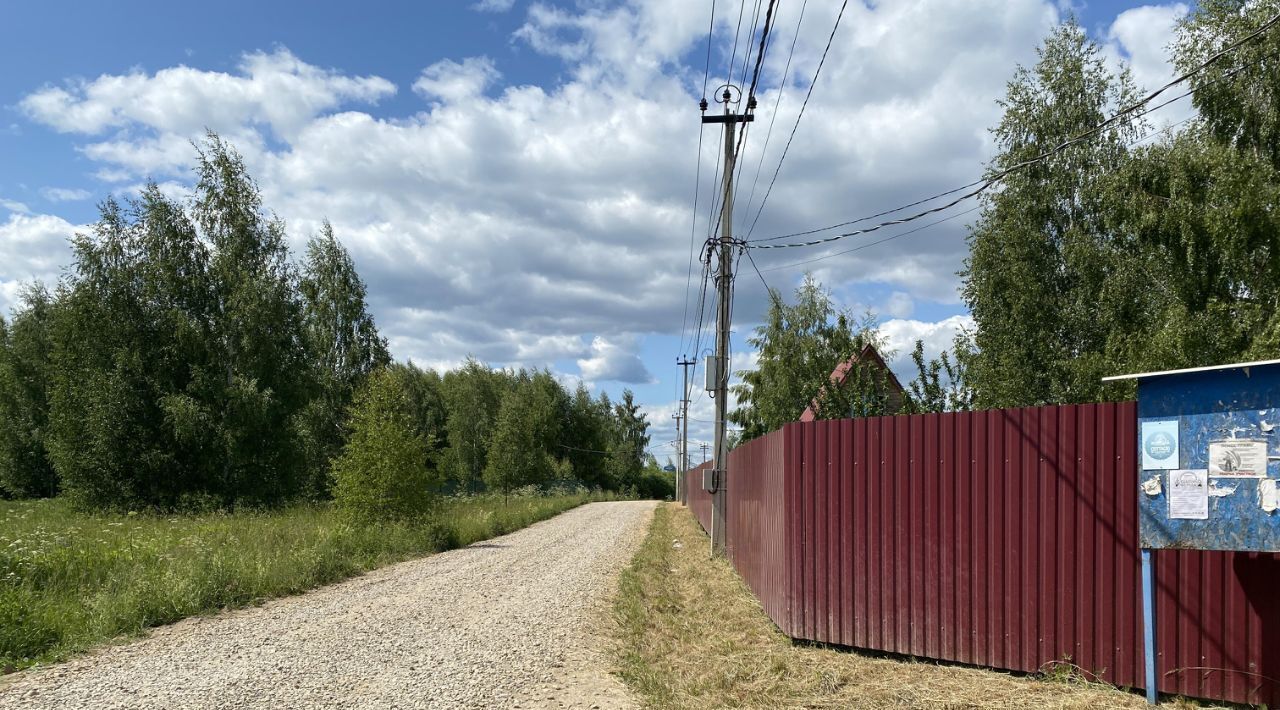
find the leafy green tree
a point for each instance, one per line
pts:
(178, 369)
(382, 472)
(1107, 259)
(25, 348)
(1200, 221)
(939, 385)
(630, 437)
(521, 452)
(130, 421)
(424, 388)
(655, 483)
(1196, 210)
(800, 344)
(472, 395)
(1040, 254)
(1238, 98)
(258, 331)
(342, 345)
(586, 435)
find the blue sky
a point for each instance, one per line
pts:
(515, 179)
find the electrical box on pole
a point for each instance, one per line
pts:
(710, 371)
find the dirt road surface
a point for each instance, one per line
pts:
(510, 622)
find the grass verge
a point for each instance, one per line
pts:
(70, 581)
(691, 635)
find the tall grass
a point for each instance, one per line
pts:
(69, 581)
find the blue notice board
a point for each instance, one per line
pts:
(1220, 491)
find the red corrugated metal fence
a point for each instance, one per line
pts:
(1003, 538)
(755, 531)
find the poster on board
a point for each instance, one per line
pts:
(1160, 445)
(1189, 494)
(1238, 458)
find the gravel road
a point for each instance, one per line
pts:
(502, 623)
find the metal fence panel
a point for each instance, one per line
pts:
(1002, 538)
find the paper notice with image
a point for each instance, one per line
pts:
(1238, 458)
(1160, 444)
(1189, 494)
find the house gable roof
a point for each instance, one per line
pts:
(869, 355)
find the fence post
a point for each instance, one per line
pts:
(1149, 625)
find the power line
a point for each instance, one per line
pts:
(733, 55)
(764, 39)
(750, 104)
(751, 31)
(945, 219)
(871, 244)
(773, 117)
(697, 185)
(799, 116)
(767, 288)
(982, 185)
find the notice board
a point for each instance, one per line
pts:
(1209, 445)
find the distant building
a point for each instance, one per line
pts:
(892, 390)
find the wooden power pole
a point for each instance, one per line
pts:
(683, 463)
(724, 294)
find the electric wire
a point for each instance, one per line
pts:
(746, 54)
(749, 104)
(817, 72)
(733, 54)
(985, 184)
(982, 185)
(1133, 143)
(871, 244)
(751, 94)
(697, 184)
(764, 41)
(773, 116)
(738, 164)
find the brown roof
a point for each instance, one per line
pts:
(872, 357)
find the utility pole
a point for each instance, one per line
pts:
(724, 295)
(679, 469)
(683, 464)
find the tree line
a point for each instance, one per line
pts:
(1136, 250)
(184, 361)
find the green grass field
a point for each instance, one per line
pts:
(70, 581)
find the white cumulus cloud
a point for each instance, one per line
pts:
(1140, 39)
(451, 81)
(614, 360)
(33, 247)
(64, 194)
(493, 5)
(274, 89)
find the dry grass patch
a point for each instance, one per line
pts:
(691, 635)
